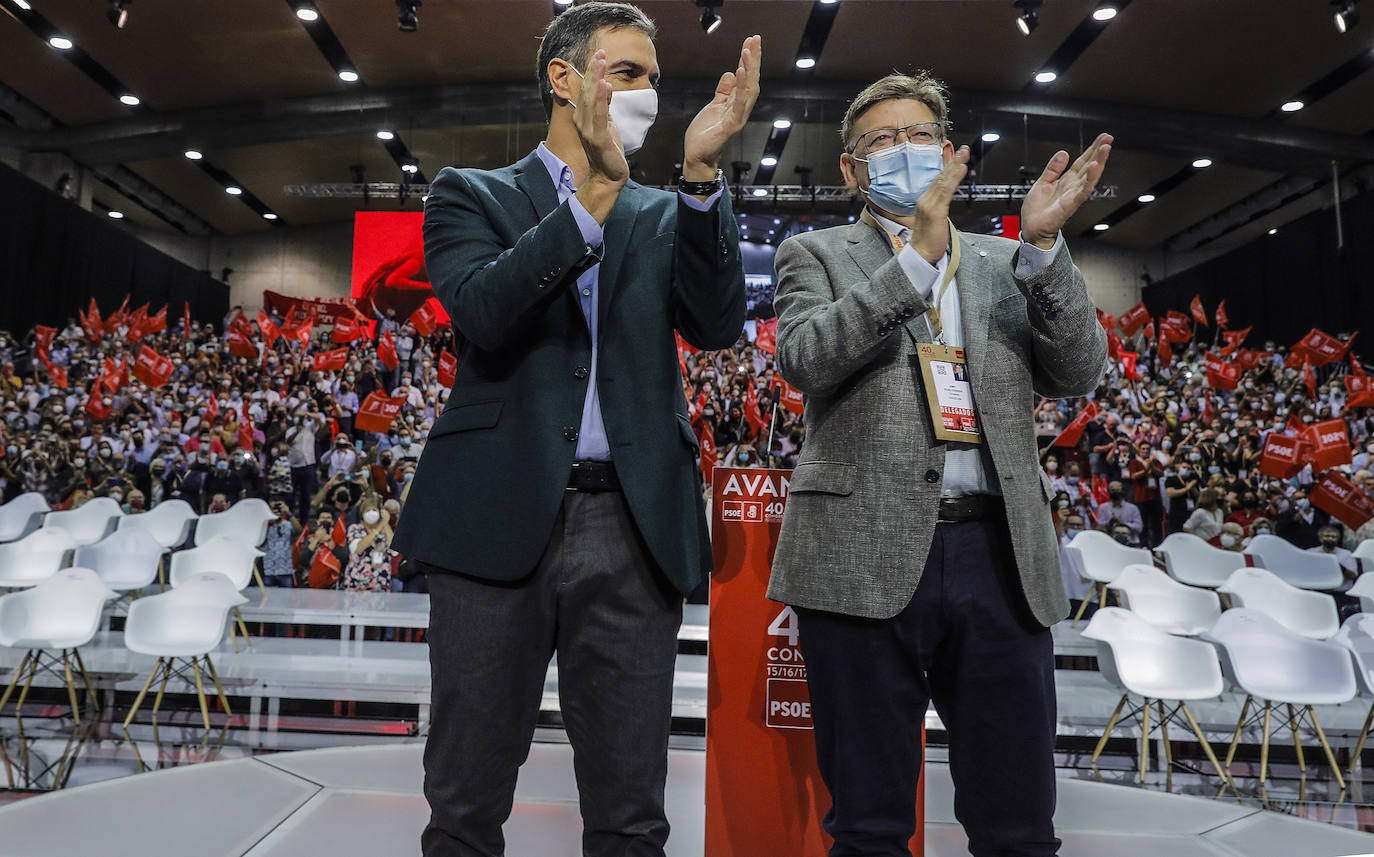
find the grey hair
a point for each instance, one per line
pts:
(569, 37)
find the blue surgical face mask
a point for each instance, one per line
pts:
(898, 175)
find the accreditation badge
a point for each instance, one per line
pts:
(949, 393)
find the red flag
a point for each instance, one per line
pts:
(1113, 344)
(1149, 330)
(122, 375)
(324, 567)
(269, 328)
(1128, 360)
(1233, 339)
(1134, 319)
(1100, 492)
(213, 408)
(378, 411)
(346, 329)
(1330, 444)
(1199, 314)
(91, 326)
(327, 360)
(240, 345)
(1294, 427)
(1207, 412)
(448, 368)
(57, 373)
(1166, 352)
(751, 410)
(1358, 390)
(186, 320)
(245, 428)
(1319, 347)
(1220, 374)
(157, 322)
(708, 451)
(1176, 327)
(684, 346)
(303, 330)
(1247, 359)
(1074, 430)
(766, 336)
(425, 319)
(239, 324)
(1310, 379)
(1282, 456)
(94, 404)
(789, 397)
(1222, 320)
(152, 368)
(43, 335)
(386, 352)
(1338, 497)
(1107, 320)
(339, 535)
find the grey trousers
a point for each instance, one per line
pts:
(597, 599)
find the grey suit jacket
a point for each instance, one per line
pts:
(862, 502)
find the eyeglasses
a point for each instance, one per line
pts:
(918, 132)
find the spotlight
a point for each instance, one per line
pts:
(1202, 163)
(760, 191)
(407, 20)
(710, 18)
(782, 124)
(348, 76)
(410, 168)
(1029, 18)
(1105, 12)
(1273, 231)
(385, 135)
(1145, 198)
(234, 190)
(62, 43)
(806, 62)
(23, 4)
(562, 2)
(1101, 227)
(776, 222)
(307, 12)
(116, 215)
(118, 14)
(991, 137)
(193, 154)
(1292, 106)
(1046, 77)
(130, 100)
(269, 216)
(768, 161)
(1347, 15)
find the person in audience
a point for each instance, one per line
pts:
(1207, 518)
(1119, 510)
(1232, 537)
(1329, 543)
(369, 545)
(342, 459)
(1145, 470)
(278, 568)
(1301, 522)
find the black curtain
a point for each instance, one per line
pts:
(55, 257)
(1287, 283)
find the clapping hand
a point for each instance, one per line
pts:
(598, 134)
(1059, 192)
(719, 121)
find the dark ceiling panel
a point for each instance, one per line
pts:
(1349, 110)
(180, 179)
(1209, 191)
(39, 73)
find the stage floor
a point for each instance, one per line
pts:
(366, 801)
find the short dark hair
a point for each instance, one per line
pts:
(569, 37)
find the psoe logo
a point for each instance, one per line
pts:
(741, 510)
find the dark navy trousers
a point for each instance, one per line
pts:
(968, 643)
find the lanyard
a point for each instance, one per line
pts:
(933, 312)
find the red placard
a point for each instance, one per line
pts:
(426, 318)
(327, 360)
(1359, 391)
(1282, 456)
(1320, 347)
(378, 411)
(240, 345)
(346, 329)
(788, 396)
(1330, 440)
(1338, 497)
(448, 368)
(386, 352)
(1233, 339)
(152, 368)
(1220, 374)
(1134, 319)
(269, 328)
(766, 335)
(764, 794)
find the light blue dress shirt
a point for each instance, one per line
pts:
(592, 443)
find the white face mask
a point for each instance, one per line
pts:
(633, 112)
(898, 175)
(1228, 540)
(371, 517)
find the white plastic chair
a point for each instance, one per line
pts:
(1357, 635)
(225, 555)
(1364, 556)
(1100, 559)
(21, 516)
(1164, 602)
(1141, 659)
(169, 522)
(1193, 561)
(1295, 565)
(88, 523)
(62, 613)
(1271, 663)
(246, 520)
(34, 558)
(182, 625)
(1364, 588)
(1311, 614)
(127, 559)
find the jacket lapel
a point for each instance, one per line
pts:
(868, 248)
(532, 177)
(616, 238)
(975, 303)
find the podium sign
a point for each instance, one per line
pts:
(764, 795)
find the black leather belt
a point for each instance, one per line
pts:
(593, 477)
(971, 507)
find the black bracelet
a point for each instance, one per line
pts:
(702, 188)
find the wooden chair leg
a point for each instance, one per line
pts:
(1264, 747)
(1111, 724)
(1206, 746)
(1297, 739)
(1164, 736)
(24, 692)
(219, 688)
(24, 664)
(162, 688)
(1083, 606)
(200, 694)
(86, 677)
(1235, 739)
(1354, 757)
(1145, 740)
(138, 700)
(1326, 747)
(71, 687)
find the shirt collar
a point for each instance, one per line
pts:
(895, 228)
(559, 173)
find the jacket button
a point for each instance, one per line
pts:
(569, 433)
(1037, 290)
(581, 373)
(552, 272)
(932, 476)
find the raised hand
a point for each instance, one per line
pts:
(1059, 192)
(596, 131)
(725, 116)
(930, 231)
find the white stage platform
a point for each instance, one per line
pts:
(366, 801)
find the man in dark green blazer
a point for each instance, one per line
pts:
(557, 507)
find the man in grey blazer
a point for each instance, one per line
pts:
(924, 569)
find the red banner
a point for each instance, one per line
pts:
(1220, 374)
(1319, 347)
(346, 329)
(95, 406)
(1222, 319)
(448, 368)
(186, 319)
(766, 336)
(764, 795)
(269, 328)
(788, 396)
(1074, 430)
(1176, 328)
(1339, 498)
(240, 345)
(386, 352)
(324, 569)
(1198, 312)
(317, 310)
(1282, 457)
(378, 411)
(1330, 442)
(1248, 358)
(239, 324)
(327, 360)
(1134, 319)
(152, 368)
(1113, 344)
(426, 318)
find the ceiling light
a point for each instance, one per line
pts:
(269, 216)
(991, 137)
(407, 21)
(116, 215)
(829, 2)
(710, 20)
(1029, 18)
(777, 222)
(348, 76)
(1347, 15)
(782, 124)
(1046, 77)
(131, 100)
(770, 232)
(562, 2)
(760, 191)
(193, 154)
(1292, 106)
(1273, 231)
(409, 168)
(768, 161)
(234, 190)
(308, 13)
(1101, 227)
(117, 14)
(1202, 163)
(1145, 198)
(806, 62)
(385, 135)
(62, 43)
(1105, 12)
(23, 5)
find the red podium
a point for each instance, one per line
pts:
(764, 796)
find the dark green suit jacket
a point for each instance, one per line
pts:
(504, 257)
